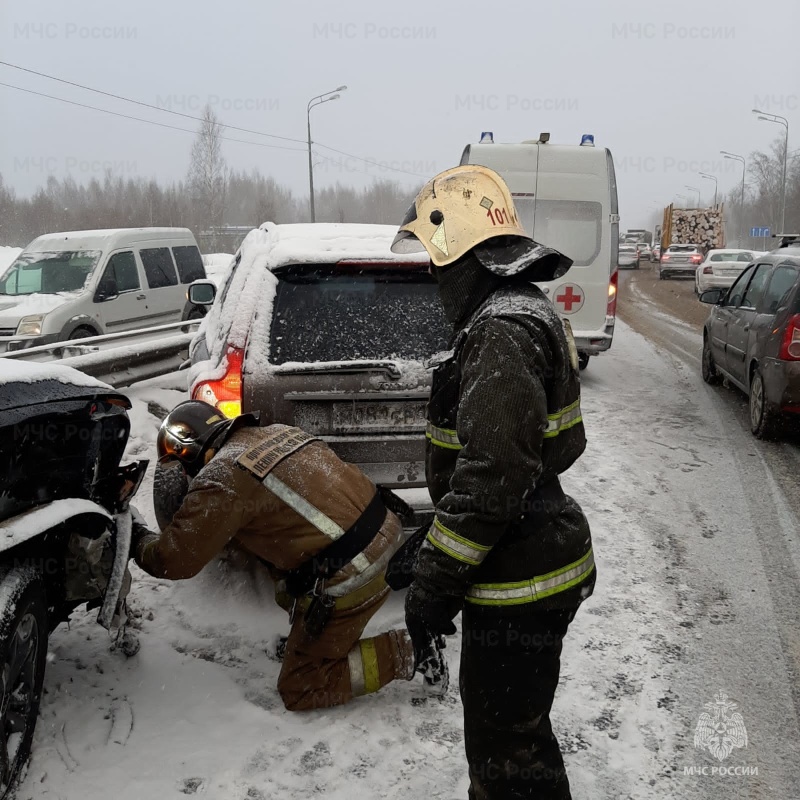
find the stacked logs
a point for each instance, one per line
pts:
(697, 226)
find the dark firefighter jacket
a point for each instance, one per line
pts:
(504, 421)
(306, 501)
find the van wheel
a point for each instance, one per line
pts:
(81, 333)
(764, 422)
(583, 360)
(23, 651)
(708, 367)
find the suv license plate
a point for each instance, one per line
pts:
(360, 416)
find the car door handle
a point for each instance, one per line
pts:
(141, 297)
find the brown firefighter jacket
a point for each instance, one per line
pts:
(313, 498)
(504, 421)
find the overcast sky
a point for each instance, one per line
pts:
(665, 86)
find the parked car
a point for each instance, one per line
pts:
(680, 259)
(656, 252)
(721, 268)
(85, 283)
(64, 527)
(752, 338)
(322, 326)
(644, 251)
(628, 256)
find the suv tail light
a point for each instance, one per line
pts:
(790, 346)
(226, 393)
(611, 309)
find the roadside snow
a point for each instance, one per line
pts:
(217, 265)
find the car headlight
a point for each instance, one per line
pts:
(31, 325)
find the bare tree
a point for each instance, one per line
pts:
(207, 179)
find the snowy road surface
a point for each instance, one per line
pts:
(698, 559)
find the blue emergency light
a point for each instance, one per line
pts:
(487, 137)
(587, 140)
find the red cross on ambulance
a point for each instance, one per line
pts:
(569, 298)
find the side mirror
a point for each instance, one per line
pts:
(713, 296)
(106, 290)
(202, 293)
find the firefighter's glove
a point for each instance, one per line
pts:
(429, 613)
(429, 618)
(400, 569)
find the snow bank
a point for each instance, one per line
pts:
(217, 266)
(7, 256)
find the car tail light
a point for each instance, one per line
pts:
(665, 257)
(696, 259)
(611, 309)
(790, 347)
(226, 393)
(708, 270)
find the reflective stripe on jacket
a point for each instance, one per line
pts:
(537, 588)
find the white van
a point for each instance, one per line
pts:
(566, 198)
(86, 283)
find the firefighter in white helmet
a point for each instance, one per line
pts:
(507, 547)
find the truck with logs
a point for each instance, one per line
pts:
(703, 226)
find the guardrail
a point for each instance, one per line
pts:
(120, 359)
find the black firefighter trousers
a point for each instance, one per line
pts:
(509, 673)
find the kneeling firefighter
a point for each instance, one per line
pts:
(320, 526)
(507, 547)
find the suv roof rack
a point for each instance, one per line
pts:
(787, 239)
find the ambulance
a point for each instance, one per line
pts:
(566, 198)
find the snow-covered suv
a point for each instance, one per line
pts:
(322, 326)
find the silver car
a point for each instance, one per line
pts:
(628, 256)
(680, 259)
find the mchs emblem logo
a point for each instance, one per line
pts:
(720, 729)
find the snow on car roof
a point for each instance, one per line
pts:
(330, 242)
(98, 239)
(13, 371)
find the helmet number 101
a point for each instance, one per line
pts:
(499, 216)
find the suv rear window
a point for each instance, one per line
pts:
(190, 263)
(327, 313)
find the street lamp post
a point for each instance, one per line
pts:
(734, 157)
(711, 178)
(778, 120)
(694, 189)
(316, 101)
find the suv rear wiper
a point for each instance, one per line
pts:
(388, 367)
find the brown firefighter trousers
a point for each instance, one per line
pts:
(338, 665)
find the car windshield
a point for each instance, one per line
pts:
(333, 313)
(49, 272)
(627, 249)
